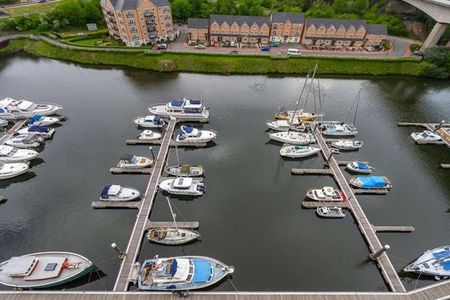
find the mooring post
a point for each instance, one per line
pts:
(118, 251)
(377, 254)
(153, 154)
(439, 126)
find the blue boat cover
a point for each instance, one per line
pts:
(187, 129)
(202, 270)
(173, 267)
(362, 166)
(2, 110)
(441, 254)
(157, 120)
(176, 103)
(372, 181)
(446, 265)
(105, 190)
(39, 129)
(196, 101)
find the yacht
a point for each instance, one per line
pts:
(134, 162)
(14, 109)
(298, 151)
(118, 193)
(330, 212)
(43, 269)
(300, 115)
(40, 120)
(294, 138)
(284, 125)
(24, 141)
(435, 262)
(189, 134)
(327, 193)
(10, 170)
(359, 167)
(185, 170)
(332, 129)
(347, 145)
(149, 135)
(12, 154)
(40, 131)
(171, 236)
(150, 122)
(183, 186)
(425, 137)
(190, 108)
(371, 182)
(180, 273)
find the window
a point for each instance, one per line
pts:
(131, 22)
(129, 14)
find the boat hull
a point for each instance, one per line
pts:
(292, 153)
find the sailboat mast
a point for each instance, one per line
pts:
(357, 105)
(298, 102)
(172, 213)
(311, 85)
(176, 154)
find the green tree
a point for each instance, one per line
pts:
(438, 56)
(182, 10)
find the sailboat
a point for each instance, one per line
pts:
(171, 235)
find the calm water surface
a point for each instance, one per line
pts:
(250, 216)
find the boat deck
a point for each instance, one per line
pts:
(185, 224)
(394, 228)
(295, 171)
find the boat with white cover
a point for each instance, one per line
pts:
(24, 141)
(149, 135)
(327, 193)
(333, 129)
(347, 145)
(12, 154)
(330, 212)
(185, 170)
(14, 109)
(40, 131)
(371, 182)
(149, 122)
(118, 193)
(134, 162)
(298, 151)
(43, 269)
(181, 273)
(283, 125)
(40, 120)
(359, 167)
(10, 170)
(183, 186)
(294, 138)
(189, 134)
(435, 262)
(425, 137)
(191, 109)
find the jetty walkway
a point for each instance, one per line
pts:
(13, 130)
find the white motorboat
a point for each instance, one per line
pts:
(14, 109)
(189, 134)
(149, 135)
(425, 137)
(327, 193)
(118, 193)
(435, 262)
(298, 151)
(10, 170)
(44, 269)
(134, 162)
(24, 141)
(283, 125)
(347, 145)
(192, 109)
(149, 122)
(40, 120)
(330, 212)
(333, 129)
(294, 138)
(12, 154)
(359, 167)
(181, 273)
(183, 186)
(40, 131)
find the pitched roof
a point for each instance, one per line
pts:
(335, 22)
(377, 29)
(220, 19)
(282, 17)
(133, 4)
(198, 23)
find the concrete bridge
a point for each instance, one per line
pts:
(439, 10)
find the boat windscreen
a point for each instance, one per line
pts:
(202, 271)
(176, 103)
(372, 181)
(127, 157)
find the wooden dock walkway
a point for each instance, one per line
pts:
(142, 219)
(346, 162)
(13, 130)
(171, 144)
(186, 224)
(111, 204)
(387, 269)
(315, 204)
(144, 171)
(394, 228)
(295, 171)
(445, 166)
(370, 192)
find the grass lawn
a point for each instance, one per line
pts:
(32, 8)
(94, 41)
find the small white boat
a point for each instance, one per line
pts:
(193, 135)
(185, 170)
(333, 129)
(12, 154)
(435, 262)
(134, 162)
(150, 122)
(327, 193)
(44, 269)
(118, 193)
(183, 186)
(347, 145)
(330, 212)
(40, 131)
(24, 141)
(171, 236)
(10, 170)
(186, 108)
(294, 138)
(425, 137)
(40, 120)
(359, 167)
(283, 125)
(15, 109)
(298, 151)
(149, 135)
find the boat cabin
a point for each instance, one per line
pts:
(111, 190)
(7, 150)
(171, 271)
(185, 105)
(182, 183)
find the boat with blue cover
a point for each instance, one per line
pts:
(183, 109)
(150, 122)
(181, 273)
(435, 262)
(40, 131)
(371, 182)
(40, 120)
(190, 134)
(359, 167)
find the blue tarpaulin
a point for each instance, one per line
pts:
(196, 101)
(446, 265)
(105, 190)
(202, 270)
(38, 129)
(173, 267)
(187, 129)
(442, 254)
(362, 166)
(176, 103)
(372, 181)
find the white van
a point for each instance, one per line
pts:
(294, 52)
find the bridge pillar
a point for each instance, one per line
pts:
(434, 36)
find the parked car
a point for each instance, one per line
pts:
(234, 52)
(275, 44)
(293, 51)
(265, 48)
(419, 53)
(200, 46)
(226, 44)
(161, 47)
